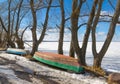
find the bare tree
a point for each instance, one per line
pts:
(7, 28)
(34, 35)
(15, 16)
(19, 39)
(61, 35)
(2, 38)
(99, 56)
(77, 4)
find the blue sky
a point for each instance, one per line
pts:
(102, 28)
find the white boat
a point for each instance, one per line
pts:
(16, 51)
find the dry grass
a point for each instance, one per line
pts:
(95, 71)
(2, 49)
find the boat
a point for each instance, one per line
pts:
(60, 61)
(16, 51)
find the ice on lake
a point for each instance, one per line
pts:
(110, 62)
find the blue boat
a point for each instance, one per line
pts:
(16, 51)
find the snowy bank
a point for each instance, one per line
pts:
(40, 69)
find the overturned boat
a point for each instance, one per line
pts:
(60, 61)
(16, 51)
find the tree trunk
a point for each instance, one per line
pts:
(97, 62)
(74, 25)
(87, 33)
(34, 48)
(95, 54)
(45, 23)
(19, 40)
(9, 36)
(99, 56)
(11, 43)
(61, 35)
(34, 36)
(20, 43)
(71, 51)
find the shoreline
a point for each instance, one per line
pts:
(59, 76)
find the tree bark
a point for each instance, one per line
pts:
(99, 56)
(33, 29)
(81, 52)
(61, 34)
(19, 41)
(34, 36)
(45, 22)
(74, 25)
(87, 33)
(97, 60)
(9, 35)
(71, 51)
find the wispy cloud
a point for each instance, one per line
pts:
(53, 35)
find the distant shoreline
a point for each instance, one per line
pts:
(65, 41)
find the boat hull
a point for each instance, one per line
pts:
(59, 61)
(16, 51)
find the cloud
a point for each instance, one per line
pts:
(27, 35)
(104, 13)
(53, 35)
(100, 33)
(100, 36)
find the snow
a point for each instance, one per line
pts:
(87, 79)
(110, 60)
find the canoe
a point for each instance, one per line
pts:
(60, 61)
(16, 51)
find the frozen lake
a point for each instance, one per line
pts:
(110, 62)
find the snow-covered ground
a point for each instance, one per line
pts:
(22, 66)
(111, 61)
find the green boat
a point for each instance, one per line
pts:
(60, 61)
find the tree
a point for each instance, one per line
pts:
(15, 15)
(99, 56)
(77, 4)
(2, 38)
(61, 34)
(19, 40)
(34, 26)
(7, 28)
